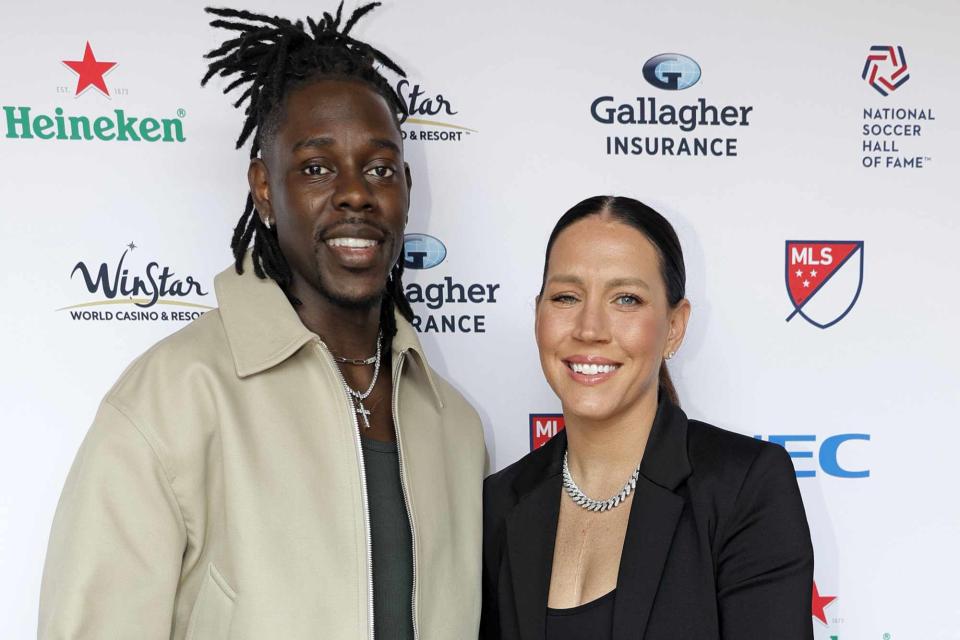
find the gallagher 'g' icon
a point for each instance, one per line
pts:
(671, 71)
(885, 68)
(824, 278)
(421, 251)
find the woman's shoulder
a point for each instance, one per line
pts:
(727, 457)
(705, 439)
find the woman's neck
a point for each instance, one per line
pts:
(602, 454)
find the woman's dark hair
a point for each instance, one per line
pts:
(657, 230)
(269, 57)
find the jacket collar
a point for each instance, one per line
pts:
(263, 329)
(654, 513)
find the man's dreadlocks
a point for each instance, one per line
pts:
(272, 56)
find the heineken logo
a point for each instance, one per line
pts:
(115, 125)
(22, 123)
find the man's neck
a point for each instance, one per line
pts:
(350, 332)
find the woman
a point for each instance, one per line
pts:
(636, 522)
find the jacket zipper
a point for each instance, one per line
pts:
(406, 491)
(363, 488)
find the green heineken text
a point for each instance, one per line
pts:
(120, 127)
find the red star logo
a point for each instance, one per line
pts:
(820, 603)
(91, 72)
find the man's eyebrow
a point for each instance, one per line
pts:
(380, 143)
(313, 142)
(383, 143)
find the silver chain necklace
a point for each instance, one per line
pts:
(355, 395)
(590, 504)
(356, 361)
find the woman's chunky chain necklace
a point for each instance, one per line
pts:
(590, 504)
(355, 395)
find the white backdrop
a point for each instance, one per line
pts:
(515, 146)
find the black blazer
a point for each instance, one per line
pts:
(717, 544)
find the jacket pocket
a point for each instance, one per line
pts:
(213, 610)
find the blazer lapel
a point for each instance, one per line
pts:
(531, 533)
(654, 515)
(653, 518)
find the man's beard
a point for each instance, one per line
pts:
(364, 303)
(354, 304)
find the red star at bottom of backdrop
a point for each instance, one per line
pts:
(820, 603)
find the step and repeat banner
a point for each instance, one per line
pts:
(807, 154)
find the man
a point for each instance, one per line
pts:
(287, 466)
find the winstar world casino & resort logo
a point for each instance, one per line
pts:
(431, 117)
(91, 92)
(667, 121)
(132, 290)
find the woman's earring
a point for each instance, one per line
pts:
(671, 354)
(266, 223)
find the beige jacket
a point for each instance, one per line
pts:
(220, 492)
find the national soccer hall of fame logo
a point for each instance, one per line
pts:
(824, 279)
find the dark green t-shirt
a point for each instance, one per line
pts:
(392, 544)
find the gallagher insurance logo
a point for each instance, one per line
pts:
(671, 129)
(115, 285)
(26, 123)
(824, 279)
(422, 252)
(430, 116)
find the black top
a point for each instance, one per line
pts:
(716, 548)
(392, 544)
(590, 621)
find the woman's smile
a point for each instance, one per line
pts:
(590, 369)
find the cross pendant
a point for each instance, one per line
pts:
(364, 412)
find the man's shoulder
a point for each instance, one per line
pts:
(453, 399)
(466, 425)
(174, 363)
(453, 403)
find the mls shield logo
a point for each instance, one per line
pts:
(824, 279)
(544, 426)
